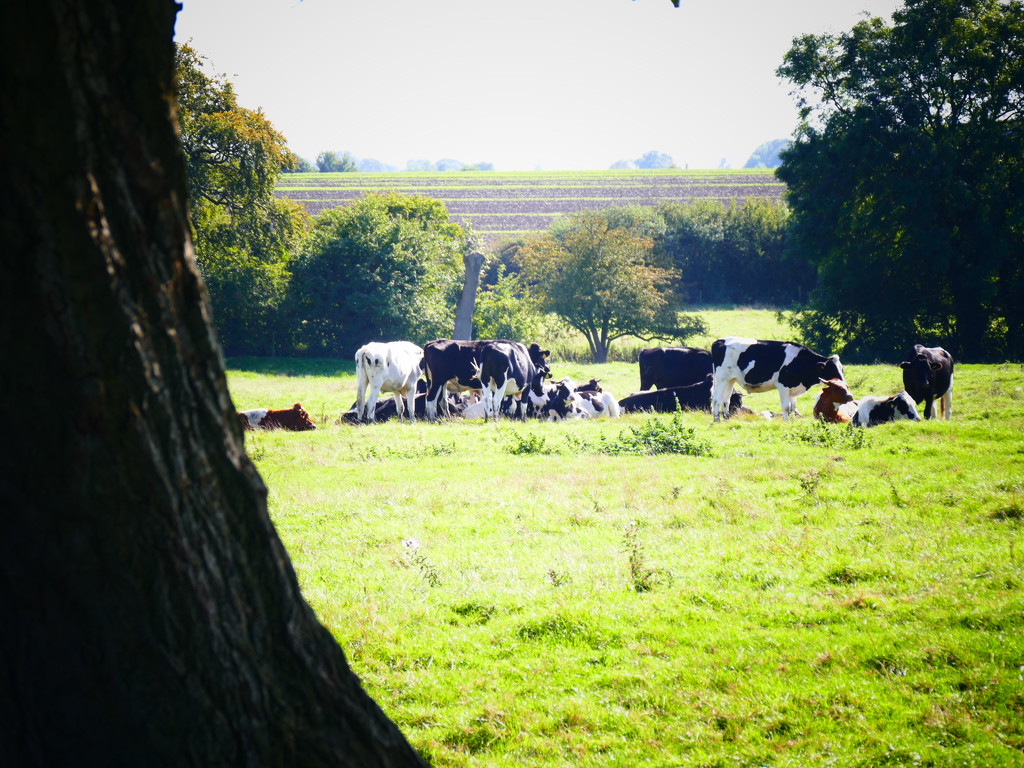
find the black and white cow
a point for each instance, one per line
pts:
(692, 397)
(450, 366)
(664, 367)
(760, 366)
(928, 376)
(872, 410)
(508, 369)
(587, 404)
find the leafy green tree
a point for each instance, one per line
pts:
(507, 310)
(386, 267)
(604, 282)
(907, 180)
(243, 236)
(331, 162)
(735, 254)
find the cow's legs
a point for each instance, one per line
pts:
(787, 401)
(720, 394)
(433, 395)
(946, 402)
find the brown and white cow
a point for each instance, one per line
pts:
(295, 419)
(835, 404)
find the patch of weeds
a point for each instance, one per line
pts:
(897, 498)
(823, 434)
(1014, 512)
(419, 560)
(256, 450)
(560, 629)
(520, 445)
(844, 574)
(474, 613)
(886, 665)
(375, 453)
(642, 578)
(557, 578)
(809, 482)
(657, 436)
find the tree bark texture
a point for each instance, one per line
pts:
(474, 262)
(149, 614)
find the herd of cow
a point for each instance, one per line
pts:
(494, 378)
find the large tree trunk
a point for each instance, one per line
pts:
(149, 614)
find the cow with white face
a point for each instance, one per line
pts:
(873, 410)
(393, 366)
(760, 366)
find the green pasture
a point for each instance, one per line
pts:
(764, 594)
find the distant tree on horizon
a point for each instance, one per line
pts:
(652, 159)
(768, 154)
(331, 162)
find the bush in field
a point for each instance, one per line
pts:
(386, 267)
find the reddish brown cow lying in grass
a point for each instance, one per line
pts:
(835, 403)
(294, 419)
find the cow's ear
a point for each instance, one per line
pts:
(546, 353)
(821, 366)
(297, 407)
(823, 381)
(906, 364)
(936, 366)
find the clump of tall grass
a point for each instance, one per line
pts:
(822, 434)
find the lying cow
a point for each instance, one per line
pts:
(872, 410)
(587, 404)
(393, 366)
(760, 366)
(665, 367)
(928, 376)
(694, 397)
(835, 404)
(295, 419)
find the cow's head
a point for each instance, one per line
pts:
(904, 408)
(539, 357)
(918, 371)
(831, 368)
(836, 391)
(594, 385)
(299, 420)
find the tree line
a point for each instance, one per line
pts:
(903, 221)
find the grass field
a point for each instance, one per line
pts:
(773, 594)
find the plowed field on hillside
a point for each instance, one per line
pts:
(499, 205)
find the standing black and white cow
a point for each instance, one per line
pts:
(873, 410)
(450, 366)
(508, 369)
(928, 376)
(664, 367)
(760, 366)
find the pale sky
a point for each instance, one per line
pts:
(522, 84)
